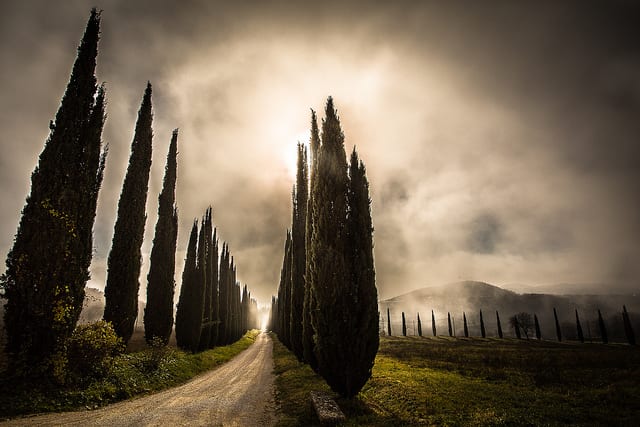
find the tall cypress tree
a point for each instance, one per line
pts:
(628, 329)
(224, 291)
(537, 327)
(579, 328)
(449, 322)
(189, 310)
(123, 267)
(285, 295)
(213, 277)
(342, 300)
(466, 328)
(388, 322)
(201, 271)
(483, 332)
(499, 325)
(603, 329)
(298, 253)
(309, 299)
(158, 313)
(433, 323)
(558, 331)
(419, 326)
(329, 271)
(361, 287)
(48, 266)
(245, 310)
(404, 326)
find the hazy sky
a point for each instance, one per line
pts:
(501, 139)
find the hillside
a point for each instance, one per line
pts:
(471, 296)
(92, 308)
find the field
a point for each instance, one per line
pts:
(474, 381)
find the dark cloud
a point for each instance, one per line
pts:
(501, 139)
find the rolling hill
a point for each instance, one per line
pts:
(471, 296)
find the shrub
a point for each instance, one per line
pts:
(90, 351)
(156, 355)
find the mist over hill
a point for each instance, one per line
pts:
(472, 296)
(92, 308)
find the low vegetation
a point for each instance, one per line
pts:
(475, 381)
(130, 374)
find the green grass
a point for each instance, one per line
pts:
(483, 382)
(132, 374)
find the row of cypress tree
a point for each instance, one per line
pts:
(326, 310)
(212, 309)
(48, 266)
(522, 323)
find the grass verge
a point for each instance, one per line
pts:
(132, 374)
(482, 382)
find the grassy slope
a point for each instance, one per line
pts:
(442, 381)
(131, 376)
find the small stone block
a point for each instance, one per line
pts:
(329, 413)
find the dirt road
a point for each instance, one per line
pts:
(238, 393)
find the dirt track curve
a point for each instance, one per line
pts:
(238, 393)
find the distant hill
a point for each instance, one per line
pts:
(470, 297)
(92, 308)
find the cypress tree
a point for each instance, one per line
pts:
(298, 253)
(603, 328)
(226, 271)
(483, 332)
(558, 331)
(433, 323)
(123, 266)
(419, 326)
(466, 329)
(245, 310)
(361, 288)
(404, 326)
(285, 301)
(343, 280)
(499, 325)
(212, 276)
(204, 240)
(190, 307)
(48, 266)
(231, 281)
(329, 270)
(537, 327)
(628, 329)
(579, 328)
(449, 321)
(309, 299)
(388, 322)
(158, 313)
(223, 295)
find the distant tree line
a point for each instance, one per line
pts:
(326, 310)
(526, 326)
(213, 310)
(48, 266)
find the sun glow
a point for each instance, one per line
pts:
(264, 321)
(290, 155)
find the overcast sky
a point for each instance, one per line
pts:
(501, 139)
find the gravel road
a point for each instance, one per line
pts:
(238, 393)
